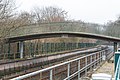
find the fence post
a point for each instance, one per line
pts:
(100, 58)
(91, 62)
(79, 70)
(95, 61)
(86, 67)
(51, 74)
(68, 72)
(40, 76)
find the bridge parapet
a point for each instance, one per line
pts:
(54, 27)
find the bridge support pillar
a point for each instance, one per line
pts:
(115, 46)
(21, 48)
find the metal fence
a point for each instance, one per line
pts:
(31, 49)
(90, 61)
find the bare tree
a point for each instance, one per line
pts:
(50, 14)
(112, 28)
(24, 18)
(7, 8)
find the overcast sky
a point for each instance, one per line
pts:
(96, 11)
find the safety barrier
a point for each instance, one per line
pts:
(91, 61)
(31, 49)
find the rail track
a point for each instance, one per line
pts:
(17, 66)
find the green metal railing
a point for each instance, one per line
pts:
(117, 66)
(31, 49)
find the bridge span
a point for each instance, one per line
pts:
(62, 34)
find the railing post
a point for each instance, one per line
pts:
(40, 76)
(51, 74)
(91, 62)
(100, 57)
(95, 60)
(103, 56)
(68, 71)
(86, 67)
(79, 70)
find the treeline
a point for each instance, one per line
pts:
(113, 28)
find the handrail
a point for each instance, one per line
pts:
(52, 67)
(81, 70)
(117, 71)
